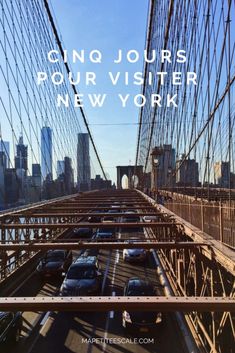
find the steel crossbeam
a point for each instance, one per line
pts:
(87, 225)
(81, 214)
(165, 304)
(101, 245)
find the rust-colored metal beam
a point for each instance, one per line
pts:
(93, 208)
(101, 245)
(86, 225)
(106, 201)
(81, 214)
(165, 304)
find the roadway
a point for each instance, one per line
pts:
(95, 332)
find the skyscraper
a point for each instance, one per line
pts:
(46, 153)
(221, 174)
(5, 147)
(187, 172)
(68, 175)
(36, 175)
(21, 158)
(83, 162)
(60, 168)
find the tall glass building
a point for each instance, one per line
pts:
(60, 168)
(46, 153)
(83, 162)
(21, 158)
(5, 147)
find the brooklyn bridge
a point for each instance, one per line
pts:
(139, 257)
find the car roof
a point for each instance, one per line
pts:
(105, 230)
(84, 229)
(136, 282)
(55, 251)
(85, 260)
(3, 314)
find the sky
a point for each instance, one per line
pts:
(106, 26)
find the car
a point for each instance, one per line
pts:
(94, 218)
(55, 263)
(113, 211)
(108, 219)
(82, 233)
(10, 326)
(105, 234)
(130, 211)
(150, 218)
(84, 277)
(142, 321)
(134, 255)
(131, 219)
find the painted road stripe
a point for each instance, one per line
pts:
(111, 313)
(45, 318)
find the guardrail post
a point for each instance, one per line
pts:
(221, 226)
(202, 216)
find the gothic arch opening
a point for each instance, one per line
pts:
(134, 180)
(125, 182)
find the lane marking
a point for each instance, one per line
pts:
(44, 319)
(106, 272)
(111, 313)
(117, 258)
(105, 335)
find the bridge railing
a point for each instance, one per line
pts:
(215, 218)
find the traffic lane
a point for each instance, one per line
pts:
(37, 285)
(72, 332)
(121, 271)
(163, 339)
(33, 286)
(84, 332)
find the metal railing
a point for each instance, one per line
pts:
(214, 218)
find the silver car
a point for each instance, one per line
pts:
(134, 255)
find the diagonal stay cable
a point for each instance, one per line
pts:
(170, 13)
(73, 87)
(210, 118)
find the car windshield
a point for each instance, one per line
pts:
(131, 219)
(55, 256)
(140, 291)
(106, 230)
(81, 273)
(134, 240)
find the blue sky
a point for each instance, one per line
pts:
(107, 26)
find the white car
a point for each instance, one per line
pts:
(149, 219)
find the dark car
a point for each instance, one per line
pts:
(131, 219)
(84, 277)
(10, 326)
(113, 211)
(82, 233)
(105, 234)
(94, 219)
(142, 321)
(108, 219)
(55, 263)
(134, 254)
